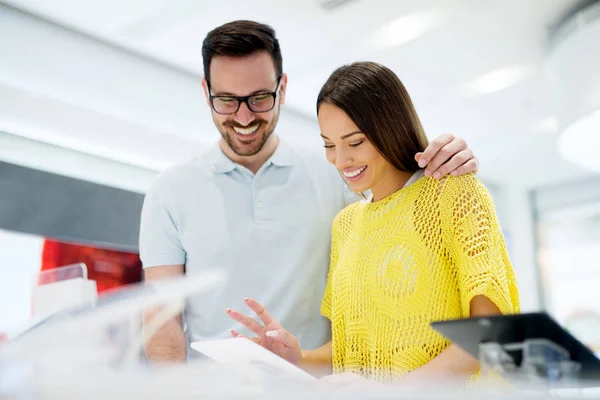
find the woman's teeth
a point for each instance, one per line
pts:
(356, 172)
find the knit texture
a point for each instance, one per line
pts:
(420, 255)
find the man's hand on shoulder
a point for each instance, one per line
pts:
(447, 154)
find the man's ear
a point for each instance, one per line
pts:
(206, 94)
(282, 88)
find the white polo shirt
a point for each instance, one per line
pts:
(269, 233)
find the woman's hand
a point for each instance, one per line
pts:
(272, 336)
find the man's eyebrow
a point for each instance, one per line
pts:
(235, 95)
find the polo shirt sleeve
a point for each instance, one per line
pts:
(159, 239)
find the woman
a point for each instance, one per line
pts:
(419, 250)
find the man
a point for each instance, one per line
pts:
(252, 206)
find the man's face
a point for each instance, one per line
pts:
(245, 131)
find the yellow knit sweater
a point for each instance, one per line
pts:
(417, 256)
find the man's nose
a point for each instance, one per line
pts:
(244, 115)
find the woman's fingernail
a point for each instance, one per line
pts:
(422, 163)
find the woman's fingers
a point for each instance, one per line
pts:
(252, 324)
(260, 311)
(246, 321)
(239, 335)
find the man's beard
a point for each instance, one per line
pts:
(250, 149)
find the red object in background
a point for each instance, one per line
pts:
(109, 268)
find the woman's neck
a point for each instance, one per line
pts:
(390, 183)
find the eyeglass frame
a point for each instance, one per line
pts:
(244, 99)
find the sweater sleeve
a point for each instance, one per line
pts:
(477, 244)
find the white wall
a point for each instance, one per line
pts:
(522, 241)
(46, 157)
(57, 63)
(66, 89)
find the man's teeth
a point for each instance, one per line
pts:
(246, 131)
(354, 173)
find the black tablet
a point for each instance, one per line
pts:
(508, 329)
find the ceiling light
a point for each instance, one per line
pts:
(498, 79)
(580, 141)
(405, 29)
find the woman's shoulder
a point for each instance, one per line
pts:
(458, 197)
(344, 219)
(452, 186)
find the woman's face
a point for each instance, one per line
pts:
(346, 147)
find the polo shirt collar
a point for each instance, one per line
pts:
(221, 164)
(284, 155)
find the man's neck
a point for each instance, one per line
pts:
(253, 163)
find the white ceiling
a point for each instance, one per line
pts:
(513, 130)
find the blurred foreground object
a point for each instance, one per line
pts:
(62, 289)
(96, 352)
(530, 351)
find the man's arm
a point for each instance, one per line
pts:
(163, 257)
(168, 344)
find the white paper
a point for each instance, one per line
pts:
(243, 351)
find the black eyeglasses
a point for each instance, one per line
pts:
(258, 102)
